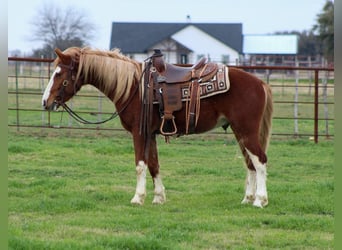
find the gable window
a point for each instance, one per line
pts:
(225, 59)
(183, 58)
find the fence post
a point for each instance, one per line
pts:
(310, 75)
(99, 117)
(296, 132)
(42, 85)
(316, 108)
(16, 93)
(49, 117)
(325, 100)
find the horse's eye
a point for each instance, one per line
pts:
(58, 74)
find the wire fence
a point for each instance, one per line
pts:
(303, 100)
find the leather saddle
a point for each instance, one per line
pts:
(171, 73)
(170, 85)
(169, 82)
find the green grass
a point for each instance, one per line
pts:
(73, 191)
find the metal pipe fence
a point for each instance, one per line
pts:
(303, 100)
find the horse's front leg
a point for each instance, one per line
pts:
(141, 167)
(140, 191)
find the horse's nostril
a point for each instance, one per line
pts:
(44, 103)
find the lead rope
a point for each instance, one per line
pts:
(78, 118)
(82, 120)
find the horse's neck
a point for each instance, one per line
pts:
(111, 94)
(115, 81)
(101, 88)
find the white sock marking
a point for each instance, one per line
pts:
(261, 176)
(159, 191)
(250, 187)
(140, 191)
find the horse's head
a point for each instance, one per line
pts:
(63, 83)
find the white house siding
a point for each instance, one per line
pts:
(169, 50)
(169, 57)
(203, 44)
(138, 57)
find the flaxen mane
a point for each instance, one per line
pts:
(112, 69)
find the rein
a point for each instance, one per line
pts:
(77, 117)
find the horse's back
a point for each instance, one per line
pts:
(242, 80)
(245, 101)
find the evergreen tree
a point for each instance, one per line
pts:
(325, 30)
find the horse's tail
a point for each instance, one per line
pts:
(266, 122)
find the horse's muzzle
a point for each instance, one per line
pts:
(53, 107)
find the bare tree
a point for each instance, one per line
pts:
(61, 28)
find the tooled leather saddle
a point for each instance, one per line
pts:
(170, 85)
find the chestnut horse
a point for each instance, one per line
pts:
(246, 107)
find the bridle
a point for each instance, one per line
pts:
(61, 93)
(60, 96)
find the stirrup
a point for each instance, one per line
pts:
(173, 125)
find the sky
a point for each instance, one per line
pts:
(256, 16)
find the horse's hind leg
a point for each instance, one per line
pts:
(153, 166)
(250, 187)
(256, 191)
(261, 198)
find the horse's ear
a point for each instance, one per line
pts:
(58, 52)
(64, 58)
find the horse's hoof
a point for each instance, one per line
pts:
(260, 201)
(138, 200)
(159, 199)
(249, 199)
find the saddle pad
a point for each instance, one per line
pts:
(217, 85)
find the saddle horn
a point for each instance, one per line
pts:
(158, 61)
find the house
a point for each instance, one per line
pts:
(179, 42)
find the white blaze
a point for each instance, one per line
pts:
(49, 86)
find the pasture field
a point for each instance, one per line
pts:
(71, 190)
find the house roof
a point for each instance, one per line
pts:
(139, 37)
